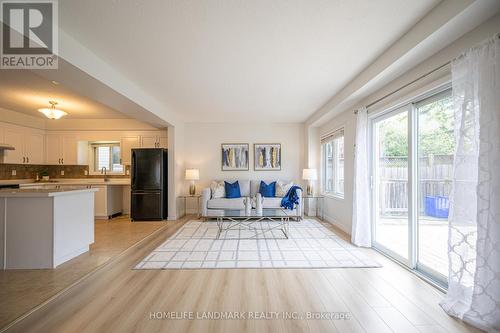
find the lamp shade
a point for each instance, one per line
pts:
(309, 174)
(192, 174)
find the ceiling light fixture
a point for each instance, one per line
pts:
(52, 112)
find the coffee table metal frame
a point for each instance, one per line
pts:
(241, 219)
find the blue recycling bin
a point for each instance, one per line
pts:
(437, 206)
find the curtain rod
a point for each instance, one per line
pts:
(406, 85)
(412, 82)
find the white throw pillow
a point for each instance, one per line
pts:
(282, 188)
(218, 190)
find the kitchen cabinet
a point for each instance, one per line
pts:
(108, 201)
(126, 145)
(28, 144)
(153, 141)
(61, 149)
(34, 148)
(14, 138)
(148, 141)
(52, 144)
(162, 142)
(70, 150)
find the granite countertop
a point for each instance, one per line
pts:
(68, 181)
(30, 193)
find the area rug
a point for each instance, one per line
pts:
(310, 245)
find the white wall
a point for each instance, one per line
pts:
(339, 211)
(176, 155)
(203, 149)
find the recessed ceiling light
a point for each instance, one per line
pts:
(52, 112)
(55, 82)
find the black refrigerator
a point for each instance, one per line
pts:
(149, 184)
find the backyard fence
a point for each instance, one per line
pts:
(434, 179)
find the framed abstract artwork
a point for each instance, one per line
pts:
(267, 156)
(234, 157)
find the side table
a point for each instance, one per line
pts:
(197, 197)
(318, 198)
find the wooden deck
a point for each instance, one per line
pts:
(433, 240)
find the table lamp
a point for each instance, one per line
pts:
(192, 175)
(309, 175)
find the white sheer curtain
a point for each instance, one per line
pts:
(361, 223)
(474, 227)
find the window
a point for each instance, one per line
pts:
(106, 155)
(333, 163)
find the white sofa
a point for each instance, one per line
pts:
(249, 189)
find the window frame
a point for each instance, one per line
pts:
(93, 160)
(336, 135)
(410, 100)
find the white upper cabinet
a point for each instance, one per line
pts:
(162, 142)
(61, 149)
(14, 138)
(37, 146)
(28, 144)
(149, 141)
(126, 145)
(53, 149)
(153, 141)
(69, 150)
(34, 147)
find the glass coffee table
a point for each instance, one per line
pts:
(260, 223)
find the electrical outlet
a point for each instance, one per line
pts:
(127, 172)
(85, 172)
(62, 172)
(14, 172)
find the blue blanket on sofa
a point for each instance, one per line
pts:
(291, 198)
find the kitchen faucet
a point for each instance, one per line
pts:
(104, 171)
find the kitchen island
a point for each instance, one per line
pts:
(43, 228)
(112, 198)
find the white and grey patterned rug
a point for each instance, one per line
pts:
(310, 245)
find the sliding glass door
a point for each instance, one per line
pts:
(412, 161)
(390, 161)
(436, 145)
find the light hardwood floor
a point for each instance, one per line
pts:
(118, 299)
(22, 290)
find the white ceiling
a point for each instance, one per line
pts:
(26, 92)
(226, 60)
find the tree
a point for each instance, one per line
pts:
(435, 132)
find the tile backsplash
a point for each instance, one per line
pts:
(25, 171)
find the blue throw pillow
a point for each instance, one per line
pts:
(232, 190)
(268, 191)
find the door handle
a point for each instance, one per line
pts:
(59, 161)
(24, 159)
(27, 159)
(62, 160)
(134, 167)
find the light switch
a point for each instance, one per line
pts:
(62, 172)
(14, 172)
(85, 172)
(127, 172)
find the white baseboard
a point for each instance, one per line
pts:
(62, 259)
(339, 225)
